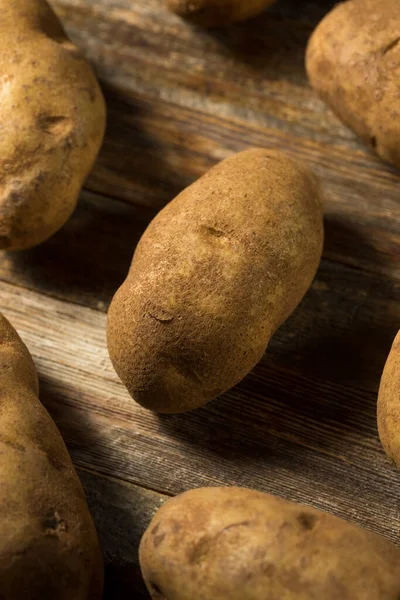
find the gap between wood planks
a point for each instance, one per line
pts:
(125, 482)
(329, 429)
(96, 232)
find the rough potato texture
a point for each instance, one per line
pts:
(48, 544)
(220, 543)
(389, 404)
(52, 116)
(215, 274)
(217, 13)
(353, 62)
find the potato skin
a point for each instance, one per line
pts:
(218, 270)
(219, 543)
(48, 544)
(353, 62)
(217, 13)
(52, 115)
(389, 404)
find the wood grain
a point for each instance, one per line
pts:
(307, 436)
(180, 99)
(351, 314)
(303, 423)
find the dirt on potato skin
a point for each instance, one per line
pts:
(218, 543)
(53, 119)
(48, 543)
(218, 270)
(353, 63)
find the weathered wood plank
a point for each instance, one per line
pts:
(140, 46)
(310, 436)
(347, 319)
(172, 146)
(88, 259)
(302, 425)
(181, 99)
(351, 314)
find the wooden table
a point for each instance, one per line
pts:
(303, 424)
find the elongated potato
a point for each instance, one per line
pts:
(353, 62)
(389, 404)
(215, 274)
(217, 13)
(52, 116)
(48, 543)
(220, 543)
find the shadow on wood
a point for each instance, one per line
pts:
(316, 386)
(135, 164)
(124, 582)
(307, 11)
(347, 242)
(269, 45)
(282, 431)
(273, 42)
(121, 513)
(278, 420)
(89, 257)
(344, 328)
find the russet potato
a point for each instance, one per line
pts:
(48, 543)
(389, 404)
(353, 62)
(52, 115)
(239, 544)
(218, 270)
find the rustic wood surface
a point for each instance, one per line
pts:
(303, 423)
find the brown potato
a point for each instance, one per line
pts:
(218, 270)
(239, 544)
(389, 404)
(52, 115)
(48, 543)
(353, 62)
(217, 13)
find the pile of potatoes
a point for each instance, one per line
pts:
(216, 273)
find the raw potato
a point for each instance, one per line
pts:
(220, 543)
(48, 543)
(389, 404)
(52, 116)
(353, 62)
(218, 270)
(217, 13)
